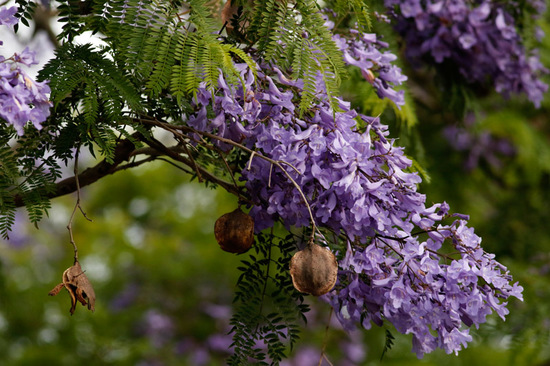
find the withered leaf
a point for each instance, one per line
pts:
(78, 286)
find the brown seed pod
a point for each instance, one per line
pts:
(313, 270)
(234, 231)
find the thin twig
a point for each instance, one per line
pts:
(70, 228)
(250, 160)
(136, 163)
(77, 205)
(278, 163)
(325, 340)
(176, 165)
(231, 174)
(389, 246)
(195, 166)
(157, 145)
(326, 359)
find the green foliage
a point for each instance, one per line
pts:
(532, 160)
(292, 35)
(91, 94)
(72, 15)
(167, 54)
(267, 307)
(388, 344)
(25, 11)
(27, 174)
(359, 8)
(363, 96)
(8, 175)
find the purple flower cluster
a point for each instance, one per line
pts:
(21, 98)
(479, 37)
(354, 182)
(364, 50)
(482, 145)
(420, 291)
(358, 185)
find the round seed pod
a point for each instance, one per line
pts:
(314, 270)
(234, 231)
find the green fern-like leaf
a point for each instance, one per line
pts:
(160, 77)
(71, 18)
(25, 11)
(8, 175)
(182, 51)
(388, 344)
(34, 197)
(201, 17)
(358, 9)
(75, 66)
(100, 94)
(305, 69)
(7, 212)
(278, 34)
(106, 140)
(90, 104)
(293, 36)
(242, 55)
(267, 307)
(191, 72)
(167, 54)
(208, 58)
(361, 10)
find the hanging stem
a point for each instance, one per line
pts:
(325, 341)
(195, 166)
(77, 205)
(231, 175)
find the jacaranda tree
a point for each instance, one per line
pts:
(254, 97)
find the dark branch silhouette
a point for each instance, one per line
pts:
(124, 151)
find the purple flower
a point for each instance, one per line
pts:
(7, 15)
(454, 340)
(22, 99)
(125, 298)
(219, 342)
(27, 57)
(398, 295)
(363, 51)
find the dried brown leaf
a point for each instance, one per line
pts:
(79, 287)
